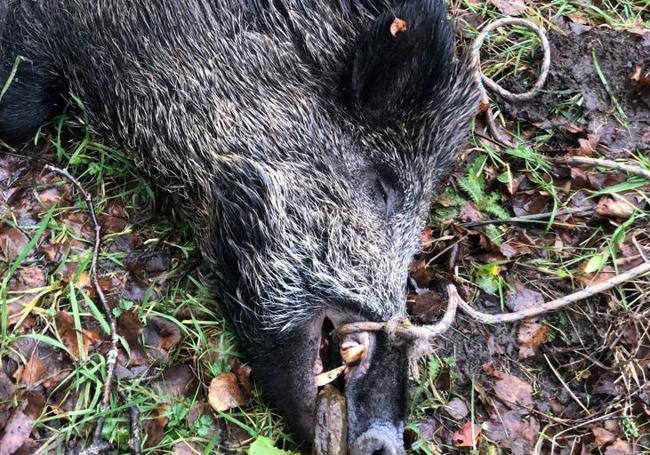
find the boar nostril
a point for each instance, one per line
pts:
(377, 441)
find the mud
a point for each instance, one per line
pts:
(575, 93)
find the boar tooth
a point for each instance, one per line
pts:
(328, 376)
(353, 353)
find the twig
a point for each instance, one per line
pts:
(566, 386)
(98, 445)
(598, 162)
(135, 441)
(557, 304)
(526, 218)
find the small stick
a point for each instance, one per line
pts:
(98, 445)
(557, 304)
(526, 218)
(615, 165)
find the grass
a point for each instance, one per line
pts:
(208, 347)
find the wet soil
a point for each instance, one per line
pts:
(576, 93)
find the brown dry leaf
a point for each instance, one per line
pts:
(469, 214)
(65, 326)
(614, 208)
(422, 274)
(510, 7)
(34, 371)
(155, 428)
(398, 26)
(642, 31)
(523, 298)
(177, 381)
(619, 447)
(425, 305)
(603, 437)
(512, 431)
(508, 251)
(587, 146)
(7, 388)
(513, 391)
(16, 432)
(12, 241)
(50, 196)
(601, 180)
(185, 448)
(529, 203)
(457, 408)
(243, 373)
(160, 336)
(577, 18)
(224, 392)
(463, 437)
(530, 336)
(129, 326)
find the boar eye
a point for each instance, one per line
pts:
(385, 195)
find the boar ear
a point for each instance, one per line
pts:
(401, 59)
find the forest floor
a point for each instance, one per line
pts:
(516, 226)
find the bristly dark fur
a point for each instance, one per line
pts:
(302, 140)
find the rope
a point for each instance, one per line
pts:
(484, 80)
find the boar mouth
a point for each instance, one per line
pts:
(361, 397)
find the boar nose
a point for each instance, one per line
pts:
(378, 440)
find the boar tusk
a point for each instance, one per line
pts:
(352, 354)
(329, 376)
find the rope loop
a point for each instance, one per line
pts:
(484, 80)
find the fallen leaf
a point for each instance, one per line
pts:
(34, 371)
(185, 448)
(619, 447)
(224, 392)
(12, 242)
(508, 250)
(177, 381)
(602, 436)
(510, 7)
(513, 391)
(463, 437)
(71, 338)
(469, 214)
(160, 336)
(155, 427)
(614, 208)
(523, 298)
(425, 305)
(398, 26)
(530, 336)
(16, 432)
(7, 388)
(129, 326)
(512, 431)
(577, 18)
(243, 373)
(457, 409)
